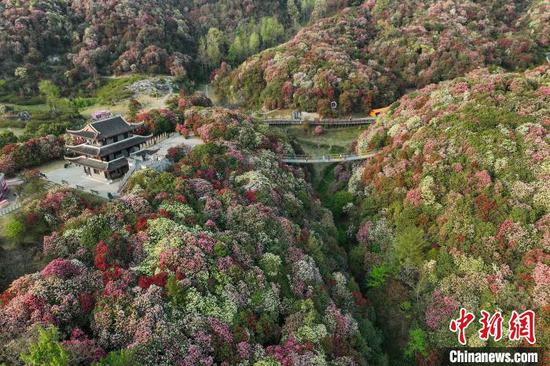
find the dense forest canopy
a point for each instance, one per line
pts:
(366, 56)
(453, 210)
(77, 41)
(227, 259)
(231, 256)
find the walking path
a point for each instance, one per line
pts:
(342, 122)
(335, 158)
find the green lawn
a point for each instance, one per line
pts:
(333, 141)
(32, 108)
(113, 96)
(15, 130)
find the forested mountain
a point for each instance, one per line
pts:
(229, 259)
(235, 256)
(367, 55)
(453, 210)
(75, 41)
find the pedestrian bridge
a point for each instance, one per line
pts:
(322, 122)
(332, 158)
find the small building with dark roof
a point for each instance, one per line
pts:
(107, 143)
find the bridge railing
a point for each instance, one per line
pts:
(324, 122)
(321, 157)
(10, 208)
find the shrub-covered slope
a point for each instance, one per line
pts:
(453, 211)
(324, 62)
(366, 55)
(226, 260)
(83, 38)
(77, 41)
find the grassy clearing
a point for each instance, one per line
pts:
(114, 96)
(121, 107)
(333, 141)
(17, 131)
(332, 136)
(115, 89)
(118, 108)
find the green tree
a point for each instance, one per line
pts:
(3, 85)
(22, 75)
(254, 43)
(7, 137)
(271, 30)
(306, 7)
(417, 343)
(319, 9)
(14, 229)
(47, 351)
(338, 201)
(378, 275)
(51, 92)
(118, 358)
(210, 47)
(237, 50)
(293, 13)
(410, 245)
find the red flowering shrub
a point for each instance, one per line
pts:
(100, 259)
(159, 280)
(61, 268)
(36, 151)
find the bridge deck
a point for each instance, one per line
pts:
(303, 159)
(323, 122)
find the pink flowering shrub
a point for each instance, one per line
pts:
(61, 268)
(319, 130)
(82, 349)
(36, 151)
(459, 191)
(359, 56)
(49, 297)
(440, 310)
(362, 235)
(482, 178)
(211, 263)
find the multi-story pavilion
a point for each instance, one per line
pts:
(108, 143)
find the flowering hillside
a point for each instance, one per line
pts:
(366, 56)
(431, 41)
(17, 156)
(95, 37)
(226, 260)
(322, 63)
(75, 42)
(454, 209)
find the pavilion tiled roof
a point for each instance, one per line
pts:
(90, 150)
(83, 133)
(98, 164)
(84, 149)
(105, 128)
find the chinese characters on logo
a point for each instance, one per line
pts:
(521, 326)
